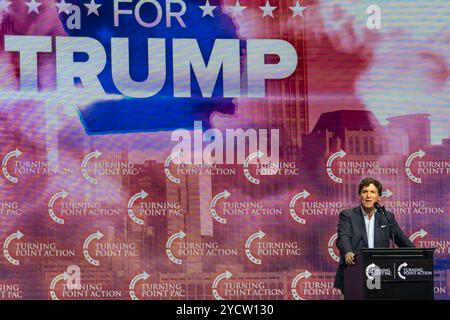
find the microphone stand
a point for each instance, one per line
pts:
(382, 209)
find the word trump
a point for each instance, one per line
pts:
(186, 57)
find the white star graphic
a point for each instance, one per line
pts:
(207, 9)
(4, 5)
(297, 10)
(267, 9)
(33, 6)
(93, 7)
(237, 10)
(63, 6)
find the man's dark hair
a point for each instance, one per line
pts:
(367, 181)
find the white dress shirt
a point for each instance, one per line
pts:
(370, 227)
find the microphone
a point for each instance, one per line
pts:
(380, 208)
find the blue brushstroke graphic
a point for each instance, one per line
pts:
(162, 111)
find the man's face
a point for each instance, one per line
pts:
(368, 196)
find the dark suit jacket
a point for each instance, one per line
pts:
(352, 236)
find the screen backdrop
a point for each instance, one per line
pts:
(204, 149)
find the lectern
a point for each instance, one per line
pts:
(390, 273)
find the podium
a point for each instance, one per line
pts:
(391, 273)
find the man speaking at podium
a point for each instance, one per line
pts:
(367, 226)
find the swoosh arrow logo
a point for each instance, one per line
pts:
(222, 195)
(140, 277)
(386, 194)
(399, 270)
(412, 156)
(140, 195)
(421, 233)
(15, 236)
(179, 235)
(170, 158)
(334, 156)
(95, 236)
(302, 195)
(304, 275)
(331, 242)
(226, 275)
(255, 155)
(63, 276)
(84, 172)
(60, 195)
(15, 153)
(258, 235)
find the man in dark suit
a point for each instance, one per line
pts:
(365, 227)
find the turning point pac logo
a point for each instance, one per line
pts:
(269, 248)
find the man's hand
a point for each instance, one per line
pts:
(350, 258)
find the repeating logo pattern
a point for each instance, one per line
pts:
(103, 215)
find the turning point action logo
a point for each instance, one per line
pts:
(194, 249)
(67, 285)
(30, 167)
(403, 271)
(435, 167)
(356, 167)
(72, 277)
(243, 288)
